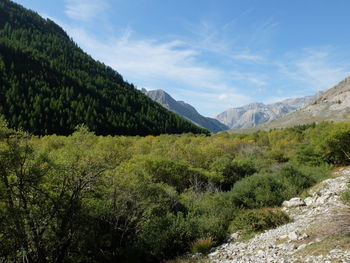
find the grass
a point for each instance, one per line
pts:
(333, 233)
(253, 221)
(202, 245)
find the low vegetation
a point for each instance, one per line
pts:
(252, 221)
(88, 198)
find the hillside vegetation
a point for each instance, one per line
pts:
(88, 198)
(49, 85)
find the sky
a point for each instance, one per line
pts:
(213, 54)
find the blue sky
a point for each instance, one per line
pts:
(213, 54)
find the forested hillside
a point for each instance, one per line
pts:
(49, 85)
(87, 198)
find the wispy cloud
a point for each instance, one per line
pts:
(210, 69)
(318, 68)
(157, 64)
(84, 9)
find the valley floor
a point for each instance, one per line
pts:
(319, 231)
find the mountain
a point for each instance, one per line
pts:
(49, 85)
(185, 110)
(258, 113)
(331, 105)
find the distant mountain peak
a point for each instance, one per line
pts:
(256, 113)
(185, 110)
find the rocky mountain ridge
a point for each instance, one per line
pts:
(331, 105)
(185, 110)
(257, 113)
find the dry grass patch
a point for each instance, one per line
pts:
(333, 233)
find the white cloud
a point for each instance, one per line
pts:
(157, 64)
(153, 60)
(318, 68)
(84, 9)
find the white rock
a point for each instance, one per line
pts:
(303, 236)
(302, 246)
(233, 237)
(260, 253)
(294, 202)
(293, 236)
(309, 201)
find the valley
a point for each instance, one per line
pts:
(92, 169)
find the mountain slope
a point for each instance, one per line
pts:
(49, 85)
(185, 110)
(331, 105)
(258, 113)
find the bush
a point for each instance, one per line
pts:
(278, 155)
(259, 190)
(202, 245)
(263, 190)
(332, 142)
(257, 220)
(164, 236)
(297, 178)
(232, 170)
(306, 154)
(211, 213)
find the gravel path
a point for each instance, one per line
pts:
(315, 221)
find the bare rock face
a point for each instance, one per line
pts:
(331, 105)
(258, 113)
(185, 110)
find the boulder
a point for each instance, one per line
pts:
(309, 201)
(293, 236)
(294, 202)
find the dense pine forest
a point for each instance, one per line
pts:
(49, 85)
(87, 198)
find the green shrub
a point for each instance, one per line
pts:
(259, 190)
(232, 170)
(332, 142)
(257, 220)
(202, 245)
(271, 189)
(165, 236)
(211, 213)
(278, 155)
(306, 154)
(297, 178)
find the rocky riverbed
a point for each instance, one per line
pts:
(319, 231)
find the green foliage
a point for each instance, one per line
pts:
(261, 189)
(258, 220)
(334, 145)
(306, 154)
(232, 170)
(258, 190)
(296, 177)
(48, 85)
(87, 198)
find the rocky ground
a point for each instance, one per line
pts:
(319, 231)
